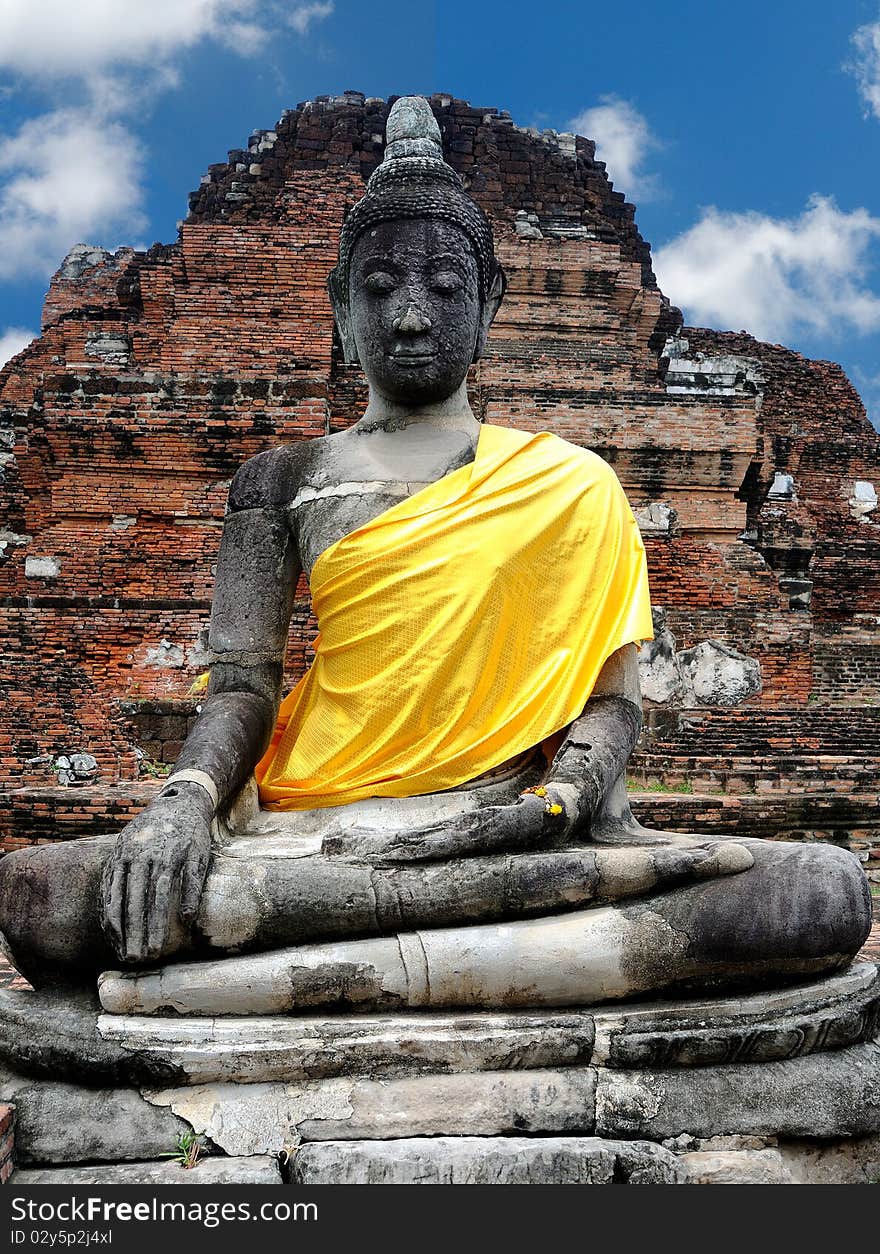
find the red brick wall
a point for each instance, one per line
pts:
(118, 466)
(7, 1142)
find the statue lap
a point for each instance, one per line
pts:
(799, 908)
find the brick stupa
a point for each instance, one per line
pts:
(750, 467)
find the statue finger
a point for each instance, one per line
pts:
(113, 885)
(159, 914)
(193, 881)
(135, 921)
(722, 858)
(494, 828)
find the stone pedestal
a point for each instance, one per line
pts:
(779, 1086)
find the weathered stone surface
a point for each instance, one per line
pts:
(67, 1123)
(54, 1033)
(855, 1161)
(273, 885)
(838, 1011)
(256, 1170)
(309, 1047)
(41, 1036)
(705, 375)
(109, 347)
(244, 1119)
(798, 910)
(823, 1095)
(39, 567)
(782, 487)
(83, 765)
(567, 959)
(715, 674)
(264, 1118)
(659, 668)
(485, 1160)
(710, 673)
(757, 1166)
(81, 258)
(656, 518)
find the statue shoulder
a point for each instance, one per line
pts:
(594, 467)
(270, 480)
(597, 477)
(607, 476)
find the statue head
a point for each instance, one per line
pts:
(417, 283)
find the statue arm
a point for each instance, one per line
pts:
(257, 573)
(153, 881)
(587, 775)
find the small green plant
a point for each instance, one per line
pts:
(657, 785)
(189, 1149)
(156, 770)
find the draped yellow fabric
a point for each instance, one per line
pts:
(461, 627)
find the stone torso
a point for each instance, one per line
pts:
(344, 481)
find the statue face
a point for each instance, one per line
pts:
(415, 311)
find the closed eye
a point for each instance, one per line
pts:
(447, 282)
(380, 282)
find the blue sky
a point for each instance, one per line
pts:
(747, 135)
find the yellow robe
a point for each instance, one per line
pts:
(461, 627)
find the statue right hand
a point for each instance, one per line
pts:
(522, 825)
(152, 882)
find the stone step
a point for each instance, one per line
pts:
(486, 1160)
(852, 1161)
(827, 1095)
(507, 1160)
(734, 785)
(780, 774)
(839, 1009)
(852, 731)
(837, 762)
(642, 1069)
(256, 1169)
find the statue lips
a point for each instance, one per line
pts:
(412, 359)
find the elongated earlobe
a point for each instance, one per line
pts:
(491, 304)
(339, 303)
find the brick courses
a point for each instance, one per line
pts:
(158, 373)
(7, 1142)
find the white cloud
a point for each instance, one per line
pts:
(74, 175)
(65, 178)
(623, 141)
(78, 38)
(304, 14)
(866, 65)
(775, 277)
(12, 341)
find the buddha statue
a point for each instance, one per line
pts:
(437, 814)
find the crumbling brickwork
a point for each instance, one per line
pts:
(7, 1142)
(158, 373)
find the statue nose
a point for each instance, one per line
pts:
(412, 321)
